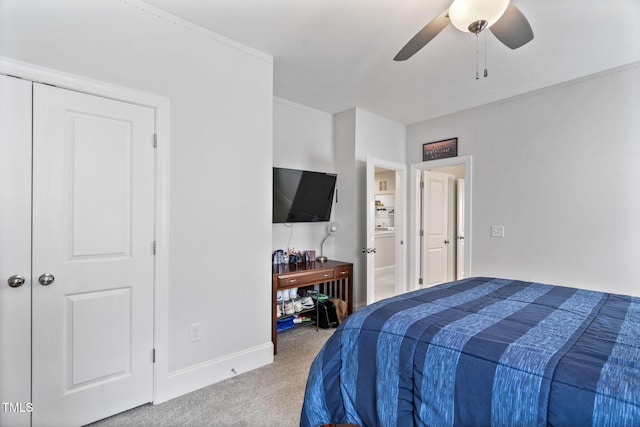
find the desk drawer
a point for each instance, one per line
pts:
(302, 279)
(343, 272)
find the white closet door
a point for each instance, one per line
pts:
(15, 251)
(436, 227)
(93, 216)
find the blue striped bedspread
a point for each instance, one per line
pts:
(481, 352)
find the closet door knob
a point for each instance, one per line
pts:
(46, 279)
(16, 281)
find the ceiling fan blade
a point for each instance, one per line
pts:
(512, 28)
(424, 36)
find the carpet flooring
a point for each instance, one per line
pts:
(267, 396)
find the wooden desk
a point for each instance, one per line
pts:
(334, 278)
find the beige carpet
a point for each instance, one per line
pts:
(268, 396)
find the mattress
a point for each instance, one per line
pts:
(482, 351)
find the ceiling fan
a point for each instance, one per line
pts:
(505, 21)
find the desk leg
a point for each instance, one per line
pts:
(274, 317)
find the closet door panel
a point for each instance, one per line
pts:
(15, 251)
(93, 217)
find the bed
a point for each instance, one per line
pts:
(482, 351)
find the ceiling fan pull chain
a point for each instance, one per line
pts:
(486, 73)
(477, 58)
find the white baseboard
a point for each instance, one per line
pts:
(207, 373)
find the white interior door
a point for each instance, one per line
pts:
(15, 251)
(460, 230)
(455, 167)
(436, 228)
(93, 222)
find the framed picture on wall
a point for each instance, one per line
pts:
(440, 149)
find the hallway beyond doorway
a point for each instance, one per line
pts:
(385, 283)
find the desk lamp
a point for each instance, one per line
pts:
(332, 228)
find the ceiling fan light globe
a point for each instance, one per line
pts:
(463, 13)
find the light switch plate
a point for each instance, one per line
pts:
(497, 231)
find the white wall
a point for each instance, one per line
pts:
(558, 168)
(358, 134)
(221, 157)
(302, 139)
(346, 243)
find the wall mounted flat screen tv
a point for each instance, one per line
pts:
(302, 196)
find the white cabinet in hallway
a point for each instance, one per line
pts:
(385, 249)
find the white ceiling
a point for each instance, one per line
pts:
(337, 54)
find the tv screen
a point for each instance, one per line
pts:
(302, 196)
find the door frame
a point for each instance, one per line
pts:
(414, 213)
(399, 222)
(460, 225)
(161, 106)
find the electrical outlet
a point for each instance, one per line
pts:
(497, 231)
(195, 332)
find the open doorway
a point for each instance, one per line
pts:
(385, 248)
(385, 234)
(440, 221)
